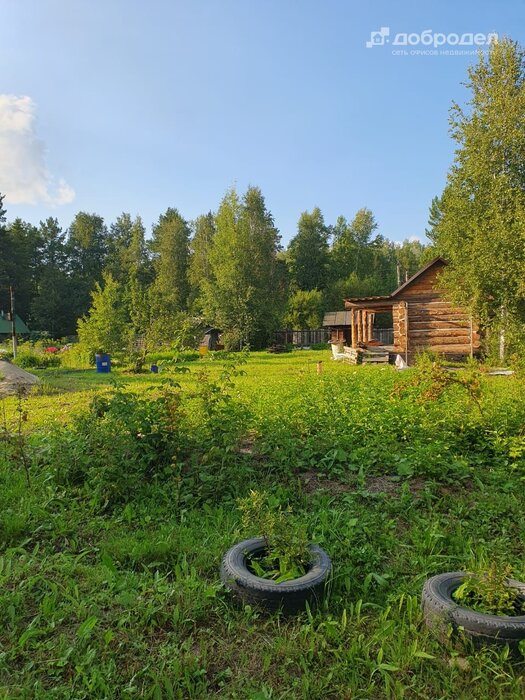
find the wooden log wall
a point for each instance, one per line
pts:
(423, 319)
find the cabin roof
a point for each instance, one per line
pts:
(6, 325)
(418, 274)
(388, 297)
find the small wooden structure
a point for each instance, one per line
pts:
(6, 327)
(211, 339)
(422, 319)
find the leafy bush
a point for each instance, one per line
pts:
(186, 441)
(33, 360)
(487, 591)
(77, 357)
(287, 555)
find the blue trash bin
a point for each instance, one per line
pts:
(103, 363)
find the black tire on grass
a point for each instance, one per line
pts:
(440, 610)
(290, 596)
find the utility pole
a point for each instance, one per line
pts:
(13, 318)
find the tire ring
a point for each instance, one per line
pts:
(441, 610)
(290, 596)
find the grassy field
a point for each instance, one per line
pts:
(118, 498)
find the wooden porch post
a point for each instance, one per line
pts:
(359, 325)
(406, 332)
(352, 331)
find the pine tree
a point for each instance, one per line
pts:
(435, 215)
(19, 267)
(51, 308)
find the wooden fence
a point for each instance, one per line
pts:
(303, 338)
(384, 335)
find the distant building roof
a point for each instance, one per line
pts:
(337, 318)
(5, 325)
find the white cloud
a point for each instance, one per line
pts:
(24, 177)
(410, 239)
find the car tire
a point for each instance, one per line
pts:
(289, 596)
(441, 611)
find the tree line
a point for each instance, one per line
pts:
(478, 223)
(226, 269)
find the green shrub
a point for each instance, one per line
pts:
(77, 357)
(486, 590)
(287, 555)
(33, 360)
(126, 441)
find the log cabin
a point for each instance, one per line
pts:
(422, 319)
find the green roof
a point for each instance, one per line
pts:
(5, 325)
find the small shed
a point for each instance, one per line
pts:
(6, 326)
(211, 339)
(422, 318)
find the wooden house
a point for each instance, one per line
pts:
(422, 318)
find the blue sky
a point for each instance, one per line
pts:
(120, 105)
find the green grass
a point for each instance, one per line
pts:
(121, 598)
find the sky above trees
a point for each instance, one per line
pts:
(120, 106)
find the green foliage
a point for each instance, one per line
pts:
(87, 247)
(51, 304)
(286, 556)
(308, 255)
(434, 378)
(478, 223)
(180, 331)
(200, 266)
(101, 599)
(34, 360)
(487, 591)
(77, 356)
(170, 247)
(173, 356)
(19, 264)
(127, 440)
(106, 328)
(231, 272)
(351, 242)
(305, 310)
(242, 296)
